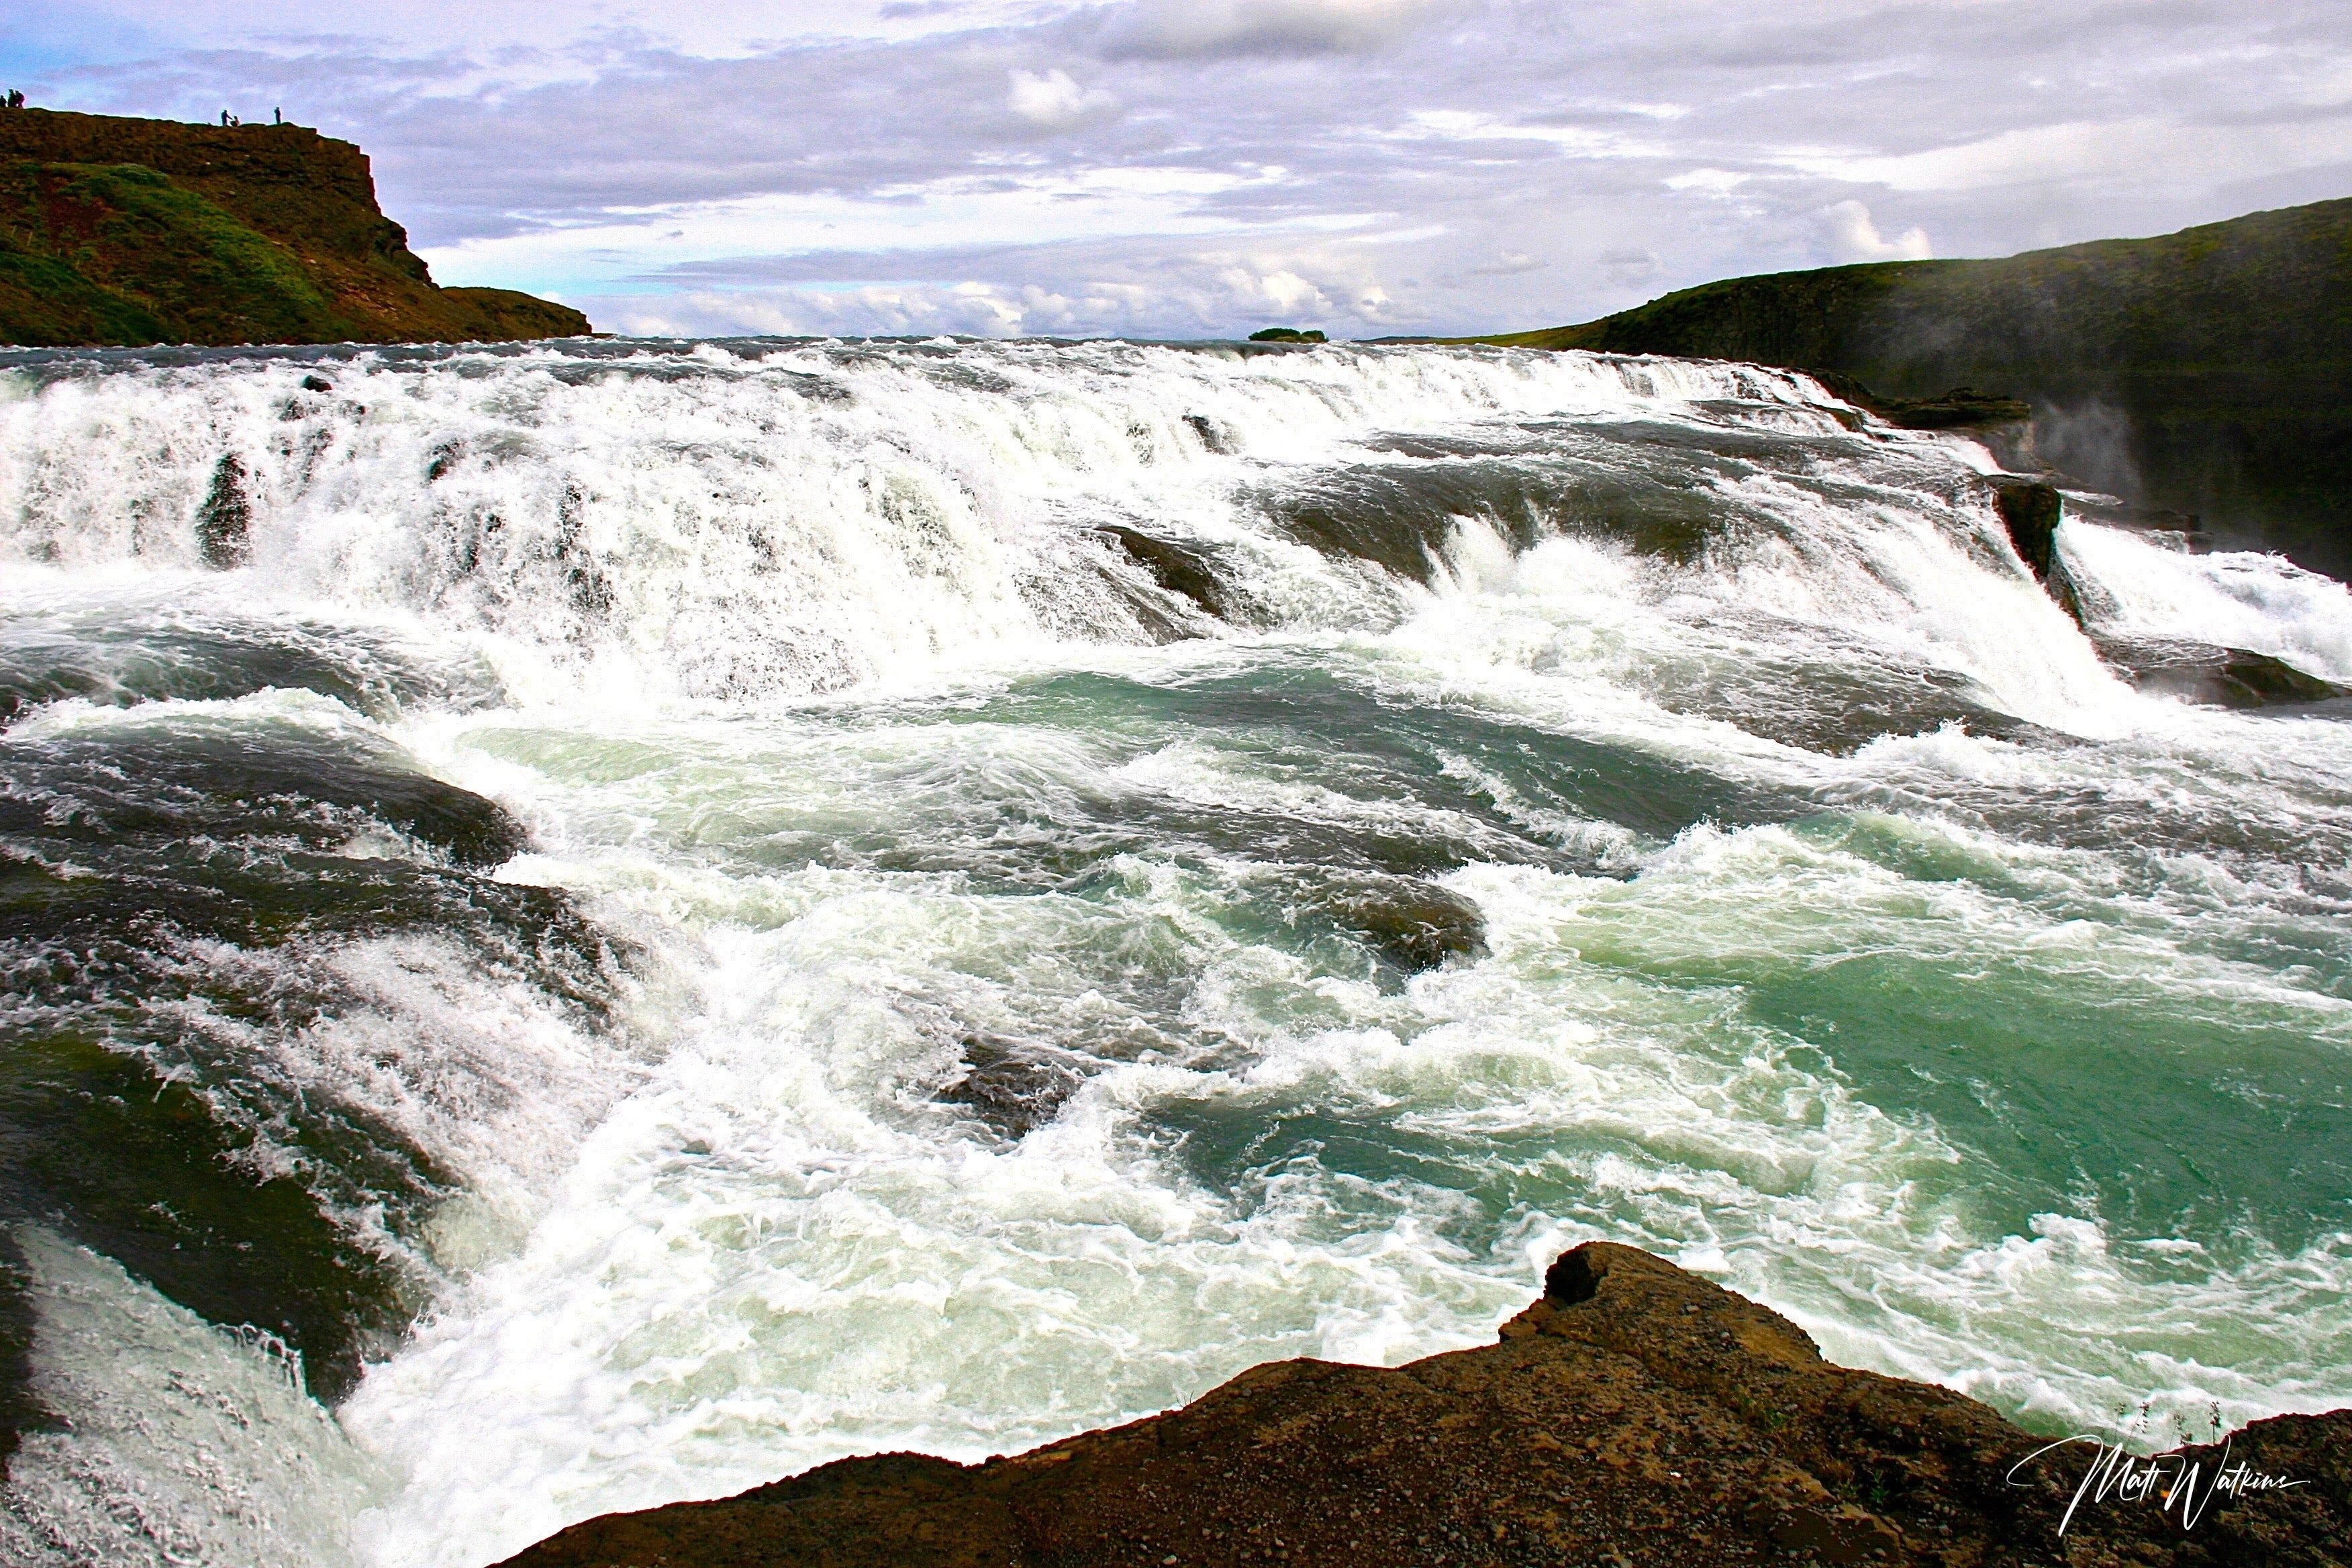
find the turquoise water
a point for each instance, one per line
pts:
(693, 909)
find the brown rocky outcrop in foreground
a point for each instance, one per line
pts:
(1634, 1416)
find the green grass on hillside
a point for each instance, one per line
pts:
(2209, 370)
(115, 230)
(43, 301)
(163, 254)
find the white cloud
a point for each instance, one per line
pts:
(1165, 288)
(2136, 150)
(1714, 182)
(1506, 262)
(1853, 236)
(1053, 99)
(1630, 265)
(1147, 166)
(708, 28)
(1290, 290)
(1172, 28)
(1035, 208)
(1469, 125)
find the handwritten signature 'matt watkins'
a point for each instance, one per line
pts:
(2175, 1483)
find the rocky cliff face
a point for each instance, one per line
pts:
(1635, 1414)
(2208, 371)
(140, 231)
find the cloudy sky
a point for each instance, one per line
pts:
(1183, 168)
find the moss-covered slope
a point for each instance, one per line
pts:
(2209, 370)
(141, 231)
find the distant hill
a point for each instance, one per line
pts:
(143, 231)
(2209, 370)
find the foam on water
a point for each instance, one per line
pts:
(481, 1072)
(187, 1443)
(780, 1199)
(1830, 919)
(2237, 599)
(704, 521)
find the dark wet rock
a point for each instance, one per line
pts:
(967, 377)
(1013, 1087)
(205, 788)
(1635, 1414)
(21, 1410)
(820, 388)
(1368, 516)
(1662, 489)
(2160, 526)
(118, 665)
(225, 518)
(587, 588)
(317, 384)
(96, 1143)
(1844, 711)
(171, 904)
(1961, 408)
(1401, 517)
(2206, 672)
(1661, 514)
(2031, 510)
(1413, 925)
(1840, 696)
(1216, 435)
(1187, 570)
(1738, 410)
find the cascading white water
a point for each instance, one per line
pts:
(2236, 599)
(1017, 1007)
(722, 524)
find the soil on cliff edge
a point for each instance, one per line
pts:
(1634, 1416)
(120, 231)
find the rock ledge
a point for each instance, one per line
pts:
(1636, 1415)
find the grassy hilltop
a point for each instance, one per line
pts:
(2209, 370)
(143, 231)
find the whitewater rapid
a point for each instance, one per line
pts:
(682, 911)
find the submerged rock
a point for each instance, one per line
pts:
(1013, 1087)
(225, 518)
(1216, 435)
(2207, 672)
(200, 906)
(1181, 568)
(1412, 924)
(21, 1410)
(1961, 408)
(1634, 1414)
(2031, 510)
